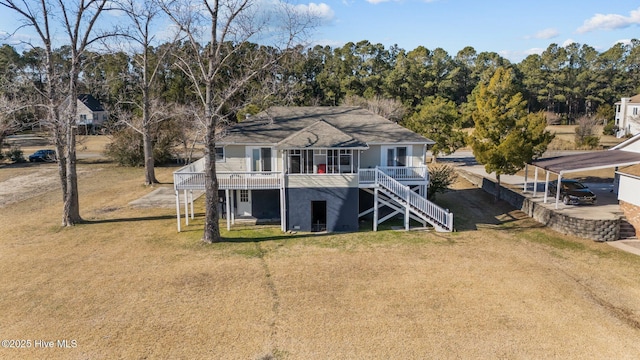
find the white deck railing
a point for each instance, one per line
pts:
(399, 173)
(191, 177)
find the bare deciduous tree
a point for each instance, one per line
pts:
(223, 59)
(391, 109)
(77, 21)
(142, 15)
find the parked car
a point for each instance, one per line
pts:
(573, 192)
(43, 155)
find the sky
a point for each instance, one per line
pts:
(512, 28)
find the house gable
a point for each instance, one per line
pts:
(320, 135)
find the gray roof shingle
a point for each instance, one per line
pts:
(340, 126)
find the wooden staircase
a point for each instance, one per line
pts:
(399, 197)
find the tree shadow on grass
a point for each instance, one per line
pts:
(129, 219)
(474, 209)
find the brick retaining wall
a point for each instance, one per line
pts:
(632, 212)
(598, 230)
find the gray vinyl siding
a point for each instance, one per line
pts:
(322, 180)
(370, 158)
(342, 208)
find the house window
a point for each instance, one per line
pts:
(345, 161)
(83, 118)
(321, 161)
(261, 159)
(244, 196)
(635, 111)
(397, 156)
(295, 161)
(219, 154)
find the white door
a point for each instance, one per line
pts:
(243, 199)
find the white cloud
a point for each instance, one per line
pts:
(321, 10)
(382, 1)
(623, 42)
(567, 42)
(610, 21)
(546, 34)
(534, 51)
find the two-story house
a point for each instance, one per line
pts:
(628, 116)
(91, 114)
(319, 169)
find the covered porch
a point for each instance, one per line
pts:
(192, 177)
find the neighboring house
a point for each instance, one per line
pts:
(319, 169)
(91, 114)
(628, 116)
(628, 179)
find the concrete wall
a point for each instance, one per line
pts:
(598, 230)
(342, 208)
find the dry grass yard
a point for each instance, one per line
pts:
(126, 285)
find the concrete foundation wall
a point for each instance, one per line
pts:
(598, 230)
(342, 208)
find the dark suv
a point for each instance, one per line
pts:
(43, 155)
(573, 192)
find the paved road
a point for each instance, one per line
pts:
(607, 200)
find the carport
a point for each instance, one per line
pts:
(595, 160)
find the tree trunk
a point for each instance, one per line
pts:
(211, 223)
(497, 197)
(71, 205)
(58, 140)
(149, 161)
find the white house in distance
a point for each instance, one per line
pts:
(628, 116)
(91, 114)
(629, 184)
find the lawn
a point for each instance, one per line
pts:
(126, 285)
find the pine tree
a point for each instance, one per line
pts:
(506, 137)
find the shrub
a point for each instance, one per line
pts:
(440, 178)
(610, 128)
(586, 133)
(127, 149)
(15, 154)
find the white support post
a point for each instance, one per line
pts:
(191, 199)
(406, 216)
(178, 208)
(535, 182)
(546, 187)
(558, 189)
(283, 211)
(526, 175)
(375, 208)
(233, 206)
(186, 208)
(228, 209)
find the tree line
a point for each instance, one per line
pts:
(569, 81)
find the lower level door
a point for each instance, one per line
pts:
(244, 202)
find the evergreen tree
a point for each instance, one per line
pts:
(506, 137)
(436, 119)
